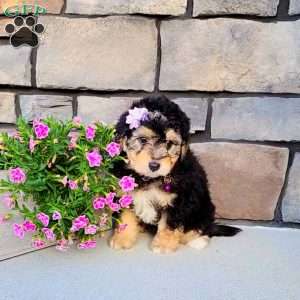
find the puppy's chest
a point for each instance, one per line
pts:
(149, 201)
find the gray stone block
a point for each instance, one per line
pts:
(106, 7)
(196, 110)
(7, 108)
(266, 118)
(294, 8)
(15, 66)
(112, 53)
(245, 180)
(243, 7)
(230, 55)
(42, 106)
(291, 199)
(107, 110)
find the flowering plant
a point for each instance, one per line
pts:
(60, 180)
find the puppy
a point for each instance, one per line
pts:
(172, 193)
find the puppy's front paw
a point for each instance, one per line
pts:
(164, 242)
(121, 240)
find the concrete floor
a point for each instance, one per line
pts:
(258, 264)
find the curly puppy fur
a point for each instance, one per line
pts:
(184, 215)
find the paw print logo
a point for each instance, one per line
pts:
(24, 31)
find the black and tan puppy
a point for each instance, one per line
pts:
(172, 192)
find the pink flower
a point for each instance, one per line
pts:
(80, 222)
(18, 230)
(77, 121)
(94, 158)
(73, 229)
(110, 198)
(99, 203)
(113, 149)
(36, 121)
(127, 183)
(125, 201)
(110, 202)
(91, 229)
(17, 175)
(73, 185)
(62, 245)
(56, 216)
(136, 116)
(87, 244)
(49, 234)
(9, 202)
(32, 144)
(72, 145)
(29, 226)
(41, 130)
(90, 132)
(38, 243)
(64, 181)
(114, 206)
(73, 135)
(43, 218)
(74, 138)
(122, 227)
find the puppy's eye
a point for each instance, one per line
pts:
(143, 140)
(170, 144)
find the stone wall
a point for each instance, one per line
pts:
(233, 67)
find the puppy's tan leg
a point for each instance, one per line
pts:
(128, 237)
(189, 236)
(166, 240)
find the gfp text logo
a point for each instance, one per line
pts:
(24, 10)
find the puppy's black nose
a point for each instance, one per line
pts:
(154, 166)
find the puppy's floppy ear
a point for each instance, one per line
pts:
(122, 130)
(184, 150)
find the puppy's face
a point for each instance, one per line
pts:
(153, 154)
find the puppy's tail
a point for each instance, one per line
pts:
(222, 230)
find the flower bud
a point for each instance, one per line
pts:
(54, 159)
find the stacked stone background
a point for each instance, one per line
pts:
(233, 66)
